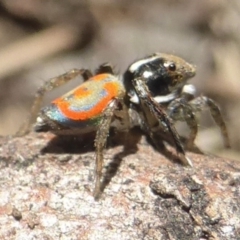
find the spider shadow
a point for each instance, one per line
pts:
(80, 144)
(166, 139)
(67, 144)
(129, 140)
(70, 144)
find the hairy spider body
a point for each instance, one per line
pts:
(151, 94)
(81, 109)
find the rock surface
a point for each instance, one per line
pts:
(46, 193)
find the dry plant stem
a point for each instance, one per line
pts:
(36, 47)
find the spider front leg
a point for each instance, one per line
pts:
(148, 104)
(199, 103)
(100, 142)
(180, 110)
(47, 87)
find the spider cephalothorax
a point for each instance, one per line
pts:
(163, 74)
(160, 82)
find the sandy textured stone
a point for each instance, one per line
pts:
(46, 193)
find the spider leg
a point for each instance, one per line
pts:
(200, 102)
(47, 87)
(105, 68)
(181, 110)
(100, 142)
(155, 109)
(86, 74)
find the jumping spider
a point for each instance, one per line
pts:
(154, 88)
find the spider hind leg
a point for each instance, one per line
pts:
(48, 86)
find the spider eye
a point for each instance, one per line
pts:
(172, 67)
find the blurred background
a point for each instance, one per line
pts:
(42, 39)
